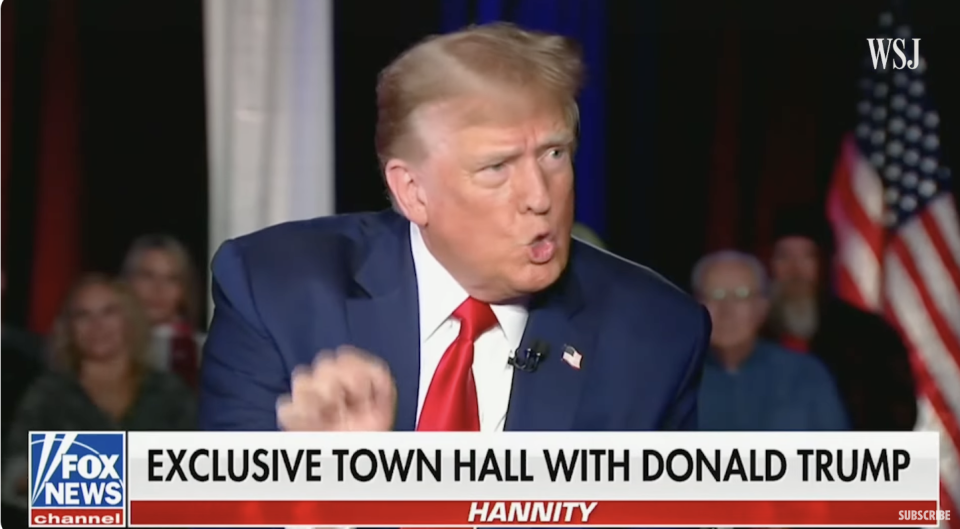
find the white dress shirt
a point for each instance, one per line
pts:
(439, 295)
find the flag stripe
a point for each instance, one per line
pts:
(858, 243)
(934, 412)
(951, 268)
(945, 215)
(857, 265)
(932, 402)
(859, 196)
(927, 322)
(867, 191)
(855, 253)
(919, 329)
(846, 285)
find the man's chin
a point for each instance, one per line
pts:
(795, 293)
(539, 277)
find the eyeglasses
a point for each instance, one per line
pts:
(734, 294)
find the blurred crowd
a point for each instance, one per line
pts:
(786, 355)
(123, 354)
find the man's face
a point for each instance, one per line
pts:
(494, 192)
(157, 283)
(731, 292)
(795, 267)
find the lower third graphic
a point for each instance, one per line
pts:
(77, 479)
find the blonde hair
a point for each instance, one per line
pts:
(64, 352)
(189, 308)
(443, 67)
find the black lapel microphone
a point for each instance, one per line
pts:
(528, 360)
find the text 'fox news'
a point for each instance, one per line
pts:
(77, 479)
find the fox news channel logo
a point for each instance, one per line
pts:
(77, 479)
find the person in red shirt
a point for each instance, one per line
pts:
(867, 357)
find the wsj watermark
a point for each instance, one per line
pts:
(880, 52)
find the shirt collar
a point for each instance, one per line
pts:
(713, 361)
(439, 295)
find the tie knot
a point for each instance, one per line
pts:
(476, 318)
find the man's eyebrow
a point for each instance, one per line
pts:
(560, 138)
(501, 153)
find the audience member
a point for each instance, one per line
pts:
(750, 384)
(162, 275)
(99, 379)
(866, 355)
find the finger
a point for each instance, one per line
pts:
(385, 388)
(378, 381)
(323, 364)
(348, 378)
(351, 355)
(324, 376)
(352, 351)
(326, 384)
(317, 401)
(358, 376)
(288, 417)
(357, 359)
(359, 392)
(302, 391)
(385, 398)
(324, 357)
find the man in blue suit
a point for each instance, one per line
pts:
(467, 307)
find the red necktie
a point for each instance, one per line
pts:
(451, 403)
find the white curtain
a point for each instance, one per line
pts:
(269, 67)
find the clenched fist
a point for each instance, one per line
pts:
(345, 390)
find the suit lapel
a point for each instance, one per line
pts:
(547, 399)
(382, 312)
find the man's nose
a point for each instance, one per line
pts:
(534, 189)
(723, 310)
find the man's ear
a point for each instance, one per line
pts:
(406, 191)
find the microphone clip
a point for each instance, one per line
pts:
(528, 359)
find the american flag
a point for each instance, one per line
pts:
(898, 239)
(572, 357)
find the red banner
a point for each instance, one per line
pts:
(76, 517)
(482, 513)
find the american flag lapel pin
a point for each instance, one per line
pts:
(572, 357)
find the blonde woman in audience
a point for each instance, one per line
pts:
(162, 276)
(99, 379)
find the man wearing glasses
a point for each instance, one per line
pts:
(749, 384)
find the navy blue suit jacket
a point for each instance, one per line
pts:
(285, 293)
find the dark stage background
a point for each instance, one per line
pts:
(714, 115)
